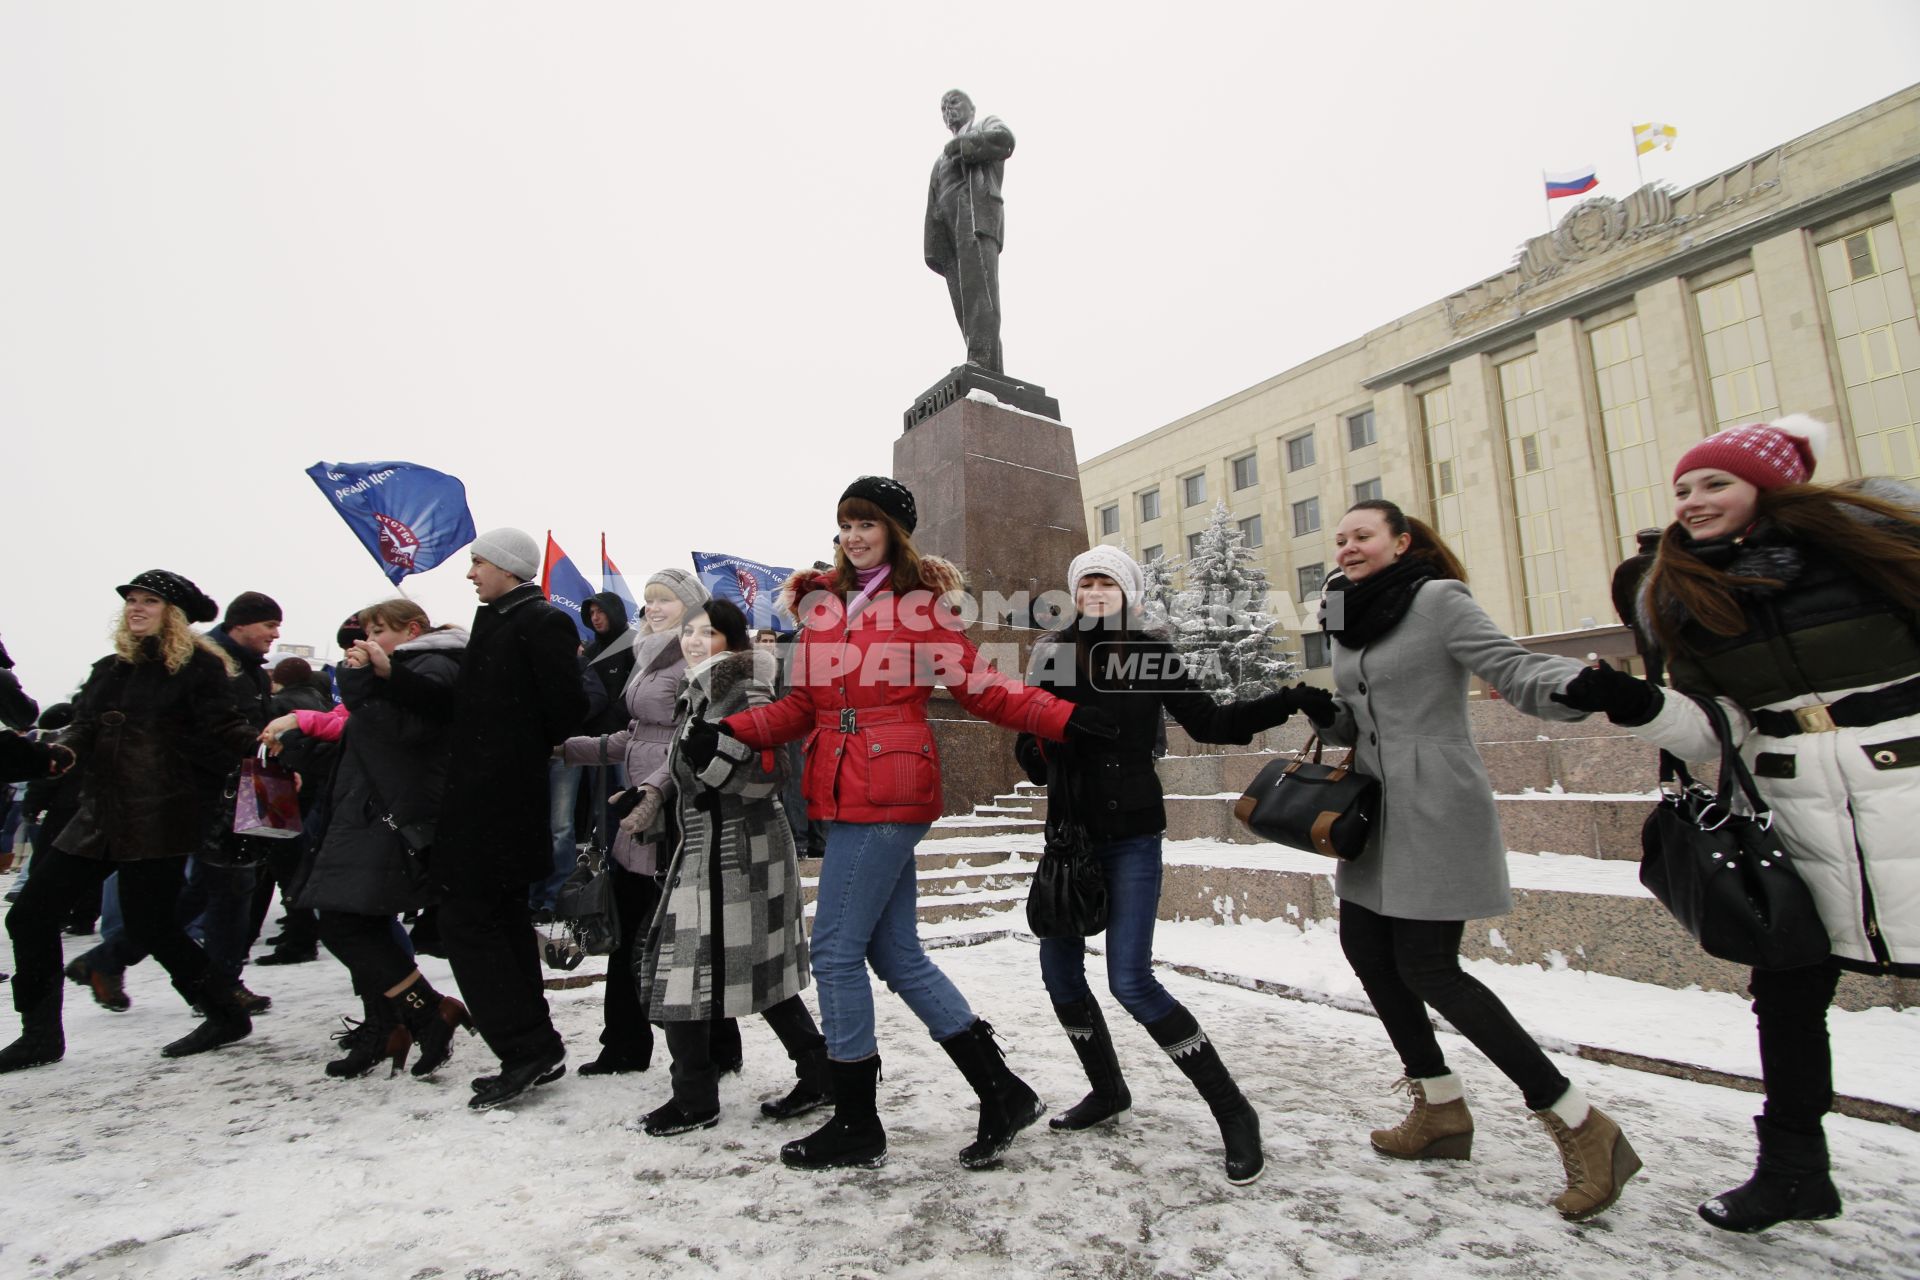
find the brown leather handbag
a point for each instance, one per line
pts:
(1306, 804)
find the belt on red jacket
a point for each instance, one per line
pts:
(854, 719)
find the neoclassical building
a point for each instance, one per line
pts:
(1534, 417)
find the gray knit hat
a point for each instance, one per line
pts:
(1115, 564)
(683, 585)
(511, 549)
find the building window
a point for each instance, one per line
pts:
(1739, 365)
(1110, 520)
(1150, 505)
(1300, 451)
(1306, 517)
(1193, 489)
(1360, 429)
(1870, 304)
(1193, 545)
(1634, 475)
(1152, 553)
(1447, 512)
(1367, 490)
(1250, 530)
(1310, 578)
(1536, 499)
(1315, 651)
(1246, 472)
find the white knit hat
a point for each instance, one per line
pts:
(511, 549)
(1115, 564)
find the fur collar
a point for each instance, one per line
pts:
(445, 640)
(725, 678)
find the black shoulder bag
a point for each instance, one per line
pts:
(1727, 876)
(1305, 804)
(1069, 894)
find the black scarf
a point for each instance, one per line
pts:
(1375, 604)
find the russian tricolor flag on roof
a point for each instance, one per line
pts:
(1571, 183)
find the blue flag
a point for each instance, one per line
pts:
(566, 587)
(748, 583)
(409, 518)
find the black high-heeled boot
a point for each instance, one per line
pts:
(1180, 1035)
(431, 1019)
(1087, 1032)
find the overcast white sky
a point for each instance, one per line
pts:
(655, 270)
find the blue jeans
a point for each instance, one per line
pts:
(865, 915)
(563, 793)
(1132, 867)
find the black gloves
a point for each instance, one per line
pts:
(1317, 703)
(1626, 700)
(701, 741)
(1092, 723)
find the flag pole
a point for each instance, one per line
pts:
(1639, 176)
(1547, 200)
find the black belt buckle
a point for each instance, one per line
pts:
(849, 722)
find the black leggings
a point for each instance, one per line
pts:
(1406, 965)
(149, 892)
(1796, 1059)
(366, 945)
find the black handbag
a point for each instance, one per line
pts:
(1727, 876)
(1068, 898)
(1306, 804)
(585, 902)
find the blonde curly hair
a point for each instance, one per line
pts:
(174, 645)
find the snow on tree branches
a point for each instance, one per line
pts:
(1219, 619)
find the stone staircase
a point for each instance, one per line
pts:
(1572, 798)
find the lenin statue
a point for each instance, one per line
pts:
(964, 223)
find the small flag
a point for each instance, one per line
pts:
(1648, 136)
(612, 580)
(1572, 183)
(409, 518)
(566, 586)
(753, 586)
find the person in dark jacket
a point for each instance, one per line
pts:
(17, 710)
(1796, 606)
(1103, 659)
(518, 696)
(155, 732)
(294, 689)
(610, 654)
(387, 791)
(217, 902)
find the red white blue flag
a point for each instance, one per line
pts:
(611, 579)
(566, 587)
(1574, 182)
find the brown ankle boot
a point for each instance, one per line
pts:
(1432, 1130)
(1597, 1157)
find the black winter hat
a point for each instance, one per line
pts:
(889, 495)
(349, 631)
(250, 607)
(175, 590)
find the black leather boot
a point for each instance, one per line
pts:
(224, 1018)
(431, 1019)
(1790, 1184)
(377, 1038)
(853, 1137)
(804, 1044)
(1087, 1030)
(41, 1039)
(1007, 1105)
(1180, 1035)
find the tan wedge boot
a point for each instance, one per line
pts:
(1596, 1154)
(1433, 1130)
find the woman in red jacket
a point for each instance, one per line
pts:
(875, 639)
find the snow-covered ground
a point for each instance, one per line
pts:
(249, 1162)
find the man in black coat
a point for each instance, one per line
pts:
(519, 695)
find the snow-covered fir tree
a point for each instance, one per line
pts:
(1220, 621)
(1157, 599)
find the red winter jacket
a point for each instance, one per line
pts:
(859, 696)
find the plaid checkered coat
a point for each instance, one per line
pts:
(728, 939)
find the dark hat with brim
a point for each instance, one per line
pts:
(175, 590)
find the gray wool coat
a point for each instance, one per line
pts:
(642, 746)
(728, 939)
(1436, 852)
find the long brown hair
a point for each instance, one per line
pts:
(1879, 539)
(907, 574)
(1425, 544)
(396, 615)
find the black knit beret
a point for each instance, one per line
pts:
(889, 495)
(175, 590)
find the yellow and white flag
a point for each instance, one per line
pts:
(1648, 136)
